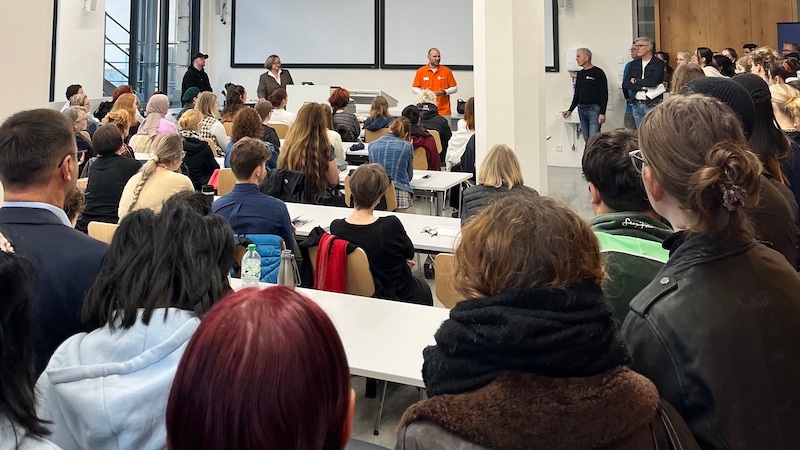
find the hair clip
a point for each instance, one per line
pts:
(5, 245)
(733, 196)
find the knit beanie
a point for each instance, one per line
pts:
(756, 87)
(729, 92)
(190, 94)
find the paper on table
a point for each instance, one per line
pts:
(656, 91)
(447, 231)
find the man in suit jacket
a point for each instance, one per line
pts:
(39, 169)
(644, 74)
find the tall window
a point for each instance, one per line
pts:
(149, 44)
(645, 19)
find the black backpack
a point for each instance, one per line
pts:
(288, 185)
(103, 110)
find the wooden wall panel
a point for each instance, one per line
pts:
(688, 24)
(768, 13)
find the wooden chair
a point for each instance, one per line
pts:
(211, 144)
(359, 277)
(226, 181)
(438, 140)
(445, 286)
(370, 136)
(101, 231)
(420, 159)
(390, 195)
(86, 135)
(281, 129)
(228, 128)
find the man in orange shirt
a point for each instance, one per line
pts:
(438, 79)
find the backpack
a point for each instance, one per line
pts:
(288, 185)
(103, 110)
(346, 133)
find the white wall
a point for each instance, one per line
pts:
(25, 42)
(216, 42)
(604, 26)
(79, 47)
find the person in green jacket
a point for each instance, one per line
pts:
(630, 232)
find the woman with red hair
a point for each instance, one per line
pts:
(344, 123)
(271, 362)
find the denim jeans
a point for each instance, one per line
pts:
(589, 116)
(639, 111)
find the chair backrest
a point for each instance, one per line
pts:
(281, 129)
(390, 197)
(359, 277)
(211, 144)
(420, 159)
(86, 135)
(445, 287)
(228, 128)
(436, 138)
(370, 136)
(102, 231)
(140, 143)
(226, 181)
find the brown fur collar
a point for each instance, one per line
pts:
(526, 411)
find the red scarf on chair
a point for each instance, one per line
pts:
(331, 274)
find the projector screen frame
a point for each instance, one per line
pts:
(296, 65)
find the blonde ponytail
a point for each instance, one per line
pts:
(166, 148)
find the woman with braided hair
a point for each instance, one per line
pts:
(158, 180)
(716, 330)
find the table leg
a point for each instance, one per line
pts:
(439, 203)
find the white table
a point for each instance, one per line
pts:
(413, 223)
(145, 156)
(363, 152)
(434, 182)
(383, 339)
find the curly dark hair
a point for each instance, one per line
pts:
(246, 123)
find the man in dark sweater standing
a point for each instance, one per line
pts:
(591, 95)
(196, 75)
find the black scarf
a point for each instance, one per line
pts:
(556, 333)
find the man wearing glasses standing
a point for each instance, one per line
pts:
(39, 170)
(644, 75)
(628, 121)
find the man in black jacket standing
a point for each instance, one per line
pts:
(196, 76)
(644, 74)
(591, 95)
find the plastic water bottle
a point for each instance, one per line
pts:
(287, 270)
(251, 266)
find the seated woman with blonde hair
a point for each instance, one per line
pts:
(500, 174)
(210, 127)
(199, 156)
(157, 180)
(532, 357)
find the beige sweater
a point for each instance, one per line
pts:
(158, 188)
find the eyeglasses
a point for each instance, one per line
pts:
(79, 155)
(430, 231)
(638, 160)
(183, 155)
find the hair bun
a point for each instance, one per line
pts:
(730, 177)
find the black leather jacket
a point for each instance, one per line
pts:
(717, 331)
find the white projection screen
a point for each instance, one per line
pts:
(305, 33)
(409, 34)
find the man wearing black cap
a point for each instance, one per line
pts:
(196, 76)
